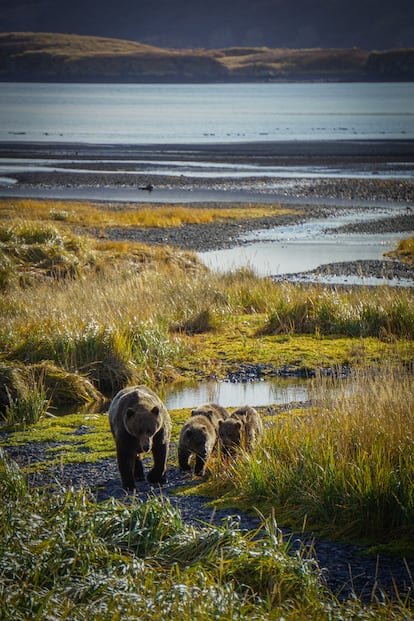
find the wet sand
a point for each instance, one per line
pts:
(271, 151)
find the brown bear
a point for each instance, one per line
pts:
(242, 429)
(199, 436)
(140, 423)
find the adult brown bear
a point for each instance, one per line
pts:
(140, 423)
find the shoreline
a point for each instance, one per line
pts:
(243, 150)
(120, 180)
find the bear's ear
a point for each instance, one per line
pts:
(155, 410)
(239, 424)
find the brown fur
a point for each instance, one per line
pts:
(199, 436)
(140, 423)
(242, 429)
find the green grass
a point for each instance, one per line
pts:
(64, 556)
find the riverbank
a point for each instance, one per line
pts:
(347, 568)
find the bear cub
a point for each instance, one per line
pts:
(199, 436)
(241, 430)
(140, 423)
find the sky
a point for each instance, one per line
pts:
(367, 24)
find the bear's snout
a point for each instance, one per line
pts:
(144, 445)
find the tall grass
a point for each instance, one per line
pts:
(345, 467)
(381, 313)
(131, 320)
(120, 313)
(63, 556)
(27, 408)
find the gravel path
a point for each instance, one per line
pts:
(347, 568)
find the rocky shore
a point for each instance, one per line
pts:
(103, 171)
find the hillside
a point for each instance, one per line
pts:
(74, 58)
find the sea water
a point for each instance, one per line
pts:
(204, 113)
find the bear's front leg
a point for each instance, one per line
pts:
(184, 458)
(200, 466)
(139, 469)
(126, 466)
(159, 454)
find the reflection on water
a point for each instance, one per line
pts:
(229, 394)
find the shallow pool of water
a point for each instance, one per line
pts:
(235, 394)
(269, 258)
(306, 246)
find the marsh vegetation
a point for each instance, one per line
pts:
(82, 316)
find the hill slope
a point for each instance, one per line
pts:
(74, 58)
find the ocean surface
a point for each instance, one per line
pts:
(204, 113)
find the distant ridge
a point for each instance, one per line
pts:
(26, 56)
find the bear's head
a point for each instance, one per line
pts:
(211, 412)
(200, 437)
(143, 424)
(230, 433)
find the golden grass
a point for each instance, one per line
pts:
(404, 251)
(345, 467)
(88, 214)
(252, 61)
(75, 46)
